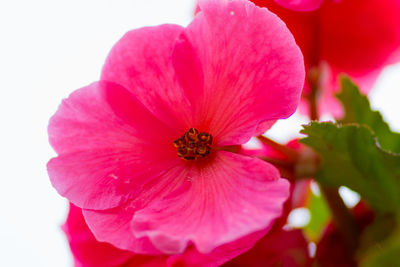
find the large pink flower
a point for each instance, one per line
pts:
(357, 37)
(228, 74)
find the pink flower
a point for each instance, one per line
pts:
(89, 252)
(357, 37)
(215, 83)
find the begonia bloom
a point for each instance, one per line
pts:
(356, 37)
(228, 74)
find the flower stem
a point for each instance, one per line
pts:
(290, 153)
(314, 81)
(285, 167)
(342, 218)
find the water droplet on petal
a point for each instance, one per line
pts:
(113, 176)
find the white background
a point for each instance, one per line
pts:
(47, 50)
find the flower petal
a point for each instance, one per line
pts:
(141, 62)
(262, 127)
(107, 144)
(114, 225)
(86, 249)
(191, 257)
(253, 70)
(227, 199)
(300, 5)
(303, 25)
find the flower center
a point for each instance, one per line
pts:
(193, 145)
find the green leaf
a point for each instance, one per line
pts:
(384, 254)
(351, 157)
(375, 233)
(358, 110)
(319, 217)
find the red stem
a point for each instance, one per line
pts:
(292, 154)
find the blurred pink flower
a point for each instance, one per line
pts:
(230, 73)
(356, 37)
(286, 248)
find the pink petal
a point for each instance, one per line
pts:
(329, 104)
(114, 225)
(303, 25)
(360, 46)
(191, 257)
(107, 144)
(224, 200)
(141, 62)
(300, 5)
(262, 127)
(87, 251)
(253, 70)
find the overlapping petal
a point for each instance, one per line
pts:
(107, 144)
(141, 62)
(191, 257)
(303, 25)
(87, 251)
(367, 41)
(214, 206)
(114, 225)
(249, 61)
(354, 37)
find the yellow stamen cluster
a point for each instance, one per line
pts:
(193, 144)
